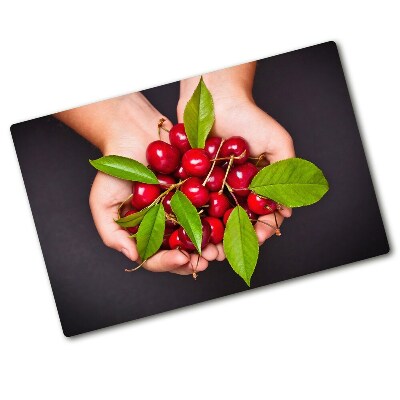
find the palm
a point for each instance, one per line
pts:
(265, 136)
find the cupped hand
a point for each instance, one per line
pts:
(125, 126)
(240, 116)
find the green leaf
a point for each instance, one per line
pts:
(187, 216)
(198, 116)
(293, 182)
(241, 244)
(150, 235)
(132, 220)
(124, 168)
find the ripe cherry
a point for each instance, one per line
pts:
(226, 215)
(178, 138)
(239, 178)
(174, 241)
(167, 233)
(169, 224)
(167, 202)
(132, 229)
(261, 205)
(195, 162)
(214, 182)
(212, 145)
(217, 229)
(144, 194)
(181, 174)
(162, 157)
(252, 215)
(218, 204)
(195, 192)
(165, 180)
(187, 243)
(235, 146)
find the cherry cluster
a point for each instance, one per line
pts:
(215, 179)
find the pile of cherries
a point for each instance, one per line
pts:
(205, 176)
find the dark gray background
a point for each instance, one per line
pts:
(306, 92)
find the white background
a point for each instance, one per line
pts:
(333, 335)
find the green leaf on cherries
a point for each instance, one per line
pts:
(132, 220)
(150, 235)
(187, 216)
(241, 244)
(293, 182)
(198, 116)
(124, 168)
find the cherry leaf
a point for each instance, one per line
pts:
(187, 216)
(150, 235)
(241, 244)
(133, 219)
(293, 182)
(124, 168)
(198, 116)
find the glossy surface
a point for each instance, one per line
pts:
(162, 157)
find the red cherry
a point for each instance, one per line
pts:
(170, 224)
(174, 241)
(167, 233)
(217, 229)
(252, 215)
(181, 174)
(178, 138)
(261, 205)
(165, 180)
(214, 182)
(133, 229)
(195, 162)
(144, 194)
(226, 215)
(235, 146)
(240, 177)
(212, 145)
(162, 157)
(167, 203)
(218, 204)
(195, 191)
(187, 243)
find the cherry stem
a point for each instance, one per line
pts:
(160, 126)
(277, 231)
(136, 268)
(228, 158)
(226, 174)
(213, 164)
(171, 218)
(231, 192)
(122, 204)
(195, 269)
(258, 159)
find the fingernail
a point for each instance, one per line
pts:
(125, 252)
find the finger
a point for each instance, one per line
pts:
(166, 260)
(266, 226)
(280, 144)
(210, 252)
(286, 212)
(221, 253)
(112, 235)
(196, 264)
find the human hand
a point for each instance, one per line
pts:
(124, 126)
(237, 114)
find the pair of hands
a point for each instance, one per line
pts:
(137, 127)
